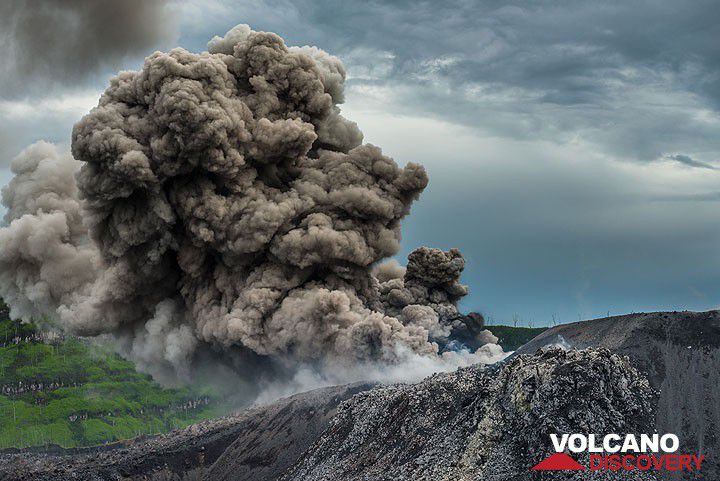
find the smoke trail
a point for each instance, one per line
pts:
(226, 210)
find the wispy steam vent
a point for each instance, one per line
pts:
(225, 208)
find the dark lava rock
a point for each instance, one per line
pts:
(477, 423)
(680, 354)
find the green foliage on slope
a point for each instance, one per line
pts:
(511, 338)
(69, 392)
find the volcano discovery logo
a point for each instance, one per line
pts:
(615, 452)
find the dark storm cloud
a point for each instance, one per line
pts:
(634, 78)
(50, 44)
(690, 162)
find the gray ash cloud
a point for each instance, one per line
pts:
(52, 43)
(225, 209)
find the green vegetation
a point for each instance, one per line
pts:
(69, 392)
(511, 338)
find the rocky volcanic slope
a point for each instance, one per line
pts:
(643, 337)
(272, 442)
(488, 424)
(680, 354)
(272, 438)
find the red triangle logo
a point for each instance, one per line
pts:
(558, 462)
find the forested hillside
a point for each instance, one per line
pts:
(69, 392)
(511, 338)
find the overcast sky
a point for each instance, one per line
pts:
(573, 146)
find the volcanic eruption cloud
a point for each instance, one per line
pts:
(217, 206)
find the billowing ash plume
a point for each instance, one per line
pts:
(44, 254)
(49, 42)
(224, 208)
(431, 284)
